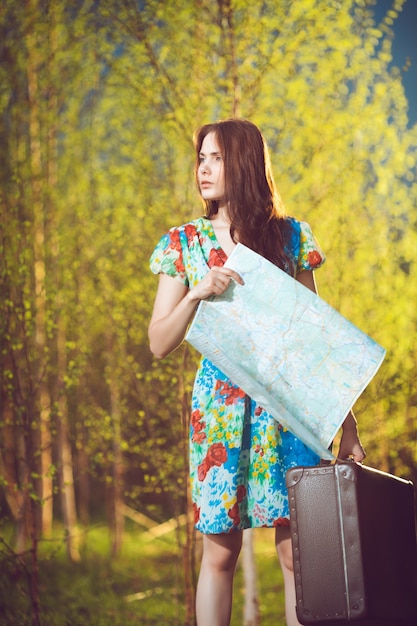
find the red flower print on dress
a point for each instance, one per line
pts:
(258, 411)
(231, 393)
(281, 521)
(179, 265)
(198, 427)
(196, 418)
(175, 244)
(175, 241)
(241, 493)
(191, 232)
(199, 437)
(259, 449)
(314, 258)
(202, 470)
(216, 456)
(234, 514)
(196, 510)
(216, 257)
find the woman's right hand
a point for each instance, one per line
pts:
(214, 283)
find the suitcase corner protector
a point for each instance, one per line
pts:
(293, 476)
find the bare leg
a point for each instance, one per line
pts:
(215, 582)
(284, 550)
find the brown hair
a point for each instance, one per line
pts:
(255, 208)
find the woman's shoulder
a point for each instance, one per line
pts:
(299, 226)
(196, 224)
(290, 220)
(291, 228)
(302, 246)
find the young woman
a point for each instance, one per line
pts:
(239, 454)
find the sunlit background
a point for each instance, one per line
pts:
(99, 102)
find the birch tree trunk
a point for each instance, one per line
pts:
(116, 493)
(66, 476)
(57, 262)
(189, 547)
(42, 394)
(83, 475)
(15, 476)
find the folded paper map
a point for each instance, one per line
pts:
(286, 348)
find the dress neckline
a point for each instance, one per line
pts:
(213, 237)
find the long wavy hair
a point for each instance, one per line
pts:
(255, 208)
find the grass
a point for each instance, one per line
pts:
(143, 586)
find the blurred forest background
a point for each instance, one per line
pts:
(99, 101)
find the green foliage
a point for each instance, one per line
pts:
(122, 86)
(143, 585)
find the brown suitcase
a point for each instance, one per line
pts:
(354, 543)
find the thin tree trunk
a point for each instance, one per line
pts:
(66, 475)
(189, 548)
(116, 502)
(41, 384)
(83, 480)
(64, 452)
(232, 62)
(15, 496)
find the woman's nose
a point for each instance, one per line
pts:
(204, 168)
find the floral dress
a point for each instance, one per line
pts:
(239, 454)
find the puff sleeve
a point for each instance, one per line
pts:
(167, 257)
(311, 256)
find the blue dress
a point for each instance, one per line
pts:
(239, 454)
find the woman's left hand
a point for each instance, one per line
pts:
(350, 443)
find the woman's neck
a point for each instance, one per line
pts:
(221, 226)
(222, 217)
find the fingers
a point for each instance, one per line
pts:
(355, 453)
(351, 446)
(359, 455)
(216, 281)
(235, 276)
(358, 452)
(227, 273)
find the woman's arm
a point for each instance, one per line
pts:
(306, 278)
(350, 443)
(175, 305)
(172, 312)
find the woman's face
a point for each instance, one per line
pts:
(210, 172)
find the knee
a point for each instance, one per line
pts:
(220, 556)
(219, 564)
(285, 556)
(284, 548)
